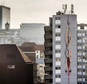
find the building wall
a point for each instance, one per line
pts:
(59, 49)
(14, 69)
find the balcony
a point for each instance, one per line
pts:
(48, 36)
(47, 81)
(47, 28)
(48, 56)
(48, 68)
(48, 76)
(48, 52)
(48, 60)
(48, 44)
(48, 64)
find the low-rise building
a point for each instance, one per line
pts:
(36, 54)
(15, 67)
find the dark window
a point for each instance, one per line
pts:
(58, 76)
(58, 68)
(57, 26)
(57, 18)
(57, 34)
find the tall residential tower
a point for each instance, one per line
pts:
(61, 49)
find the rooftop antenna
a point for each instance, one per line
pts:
(64, 7)
(72, 8)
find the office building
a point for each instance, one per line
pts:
(82, 53)
(4, 16)
(33, 32)
(61, 49)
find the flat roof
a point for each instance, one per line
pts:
(1, 6)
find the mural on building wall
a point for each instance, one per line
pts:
(68, 61)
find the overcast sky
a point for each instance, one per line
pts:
(39, 11)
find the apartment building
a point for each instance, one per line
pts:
(61, 49)
(82, 53)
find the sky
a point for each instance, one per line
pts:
(39, 11)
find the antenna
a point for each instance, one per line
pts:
(72, 8)
(64, 7)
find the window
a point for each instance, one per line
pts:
(57, 26)
(57, 42)
(57, 34)
(57, 51)
(82, 27)
(58, 76)
(58, 68)
(11, 66)
(37, 56)
(57, 18)
(57, 60)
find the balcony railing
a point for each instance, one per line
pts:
(48, 76)
(48, 60)
(48, 52)
(48, 68)
(48, 44)
(47, 36)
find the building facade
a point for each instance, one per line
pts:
(61, 49)
(36, 54)
(10, 36)
(15, 67)
(4, 16)
(82, 53)
(33, 32)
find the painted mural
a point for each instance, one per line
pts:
(68, 53)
